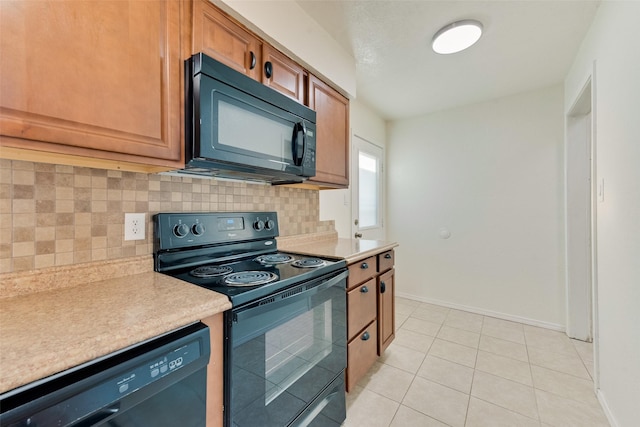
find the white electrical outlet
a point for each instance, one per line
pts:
(134, 226)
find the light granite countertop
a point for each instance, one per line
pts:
(48, 331)
(351, 250)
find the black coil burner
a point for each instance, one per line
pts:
(271, 259)
(208, 271)
(250, 278)
(309, 263)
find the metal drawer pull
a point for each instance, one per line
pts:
(387, 256)
(268, 69)
(364, 266)
(364, 290)
(365, 336)
(383, 287)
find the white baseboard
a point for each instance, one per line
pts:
(484, 312)
(605, 408)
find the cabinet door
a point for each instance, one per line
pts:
(98, 79)
(332, 139)
(282, 74)
(218, 36)
(386, 310)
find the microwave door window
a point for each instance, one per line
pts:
(250, 131)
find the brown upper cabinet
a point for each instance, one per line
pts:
(220, 37)
(332, 140)
(101, 84)
(217, 36)
(92, 83)
(283, 74)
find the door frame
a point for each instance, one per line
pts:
(577, 297)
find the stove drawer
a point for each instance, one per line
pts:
(362, 354)
(361, 307)
(362, 270)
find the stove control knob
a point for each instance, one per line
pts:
(181, 230)
(258, 225)
(269, 224)
(197, 229)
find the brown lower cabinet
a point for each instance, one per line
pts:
(370, 313)
(386, 310)
(215, 371)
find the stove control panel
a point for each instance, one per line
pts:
(180, 230)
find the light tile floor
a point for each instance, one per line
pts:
(452, 368)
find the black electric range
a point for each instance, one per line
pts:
(285, 337)
(234, 253)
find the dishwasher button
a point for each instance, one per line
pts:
(123, 388)
(155, 372)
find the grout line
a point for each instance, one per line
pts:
(511, 410)
(473, 375)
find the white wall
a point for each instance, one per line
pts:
(492, 175)
(613, 42)
(336, 204)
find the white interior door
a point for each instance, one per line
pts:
(367, 190)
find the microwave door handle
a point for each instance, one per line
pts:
(299, 147)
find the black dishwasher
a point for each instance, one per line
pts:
(160, 382)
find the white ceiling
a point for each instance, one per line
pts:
(526, 45)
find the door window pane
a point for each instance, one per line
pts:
(368, 181)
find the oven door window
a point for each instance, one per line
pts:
(285, 355)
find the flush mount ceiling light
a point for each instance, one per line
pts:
(456, 36)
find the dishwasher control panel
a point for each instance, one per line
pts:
(155, 369)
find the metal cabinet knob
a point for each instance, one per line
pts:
(383, 287)
(365, 336)
(364, 290)
(387, 256)
(364, 266)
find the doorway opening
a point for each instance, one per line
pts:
(580, 212)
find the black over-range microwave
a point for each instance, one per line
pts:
(239, 128)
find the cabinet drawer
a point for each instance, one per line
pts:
(385, 261)
(362, 270)
(361, 307)
(362, 354)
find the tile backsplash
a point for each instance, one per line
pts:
(53, 215)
